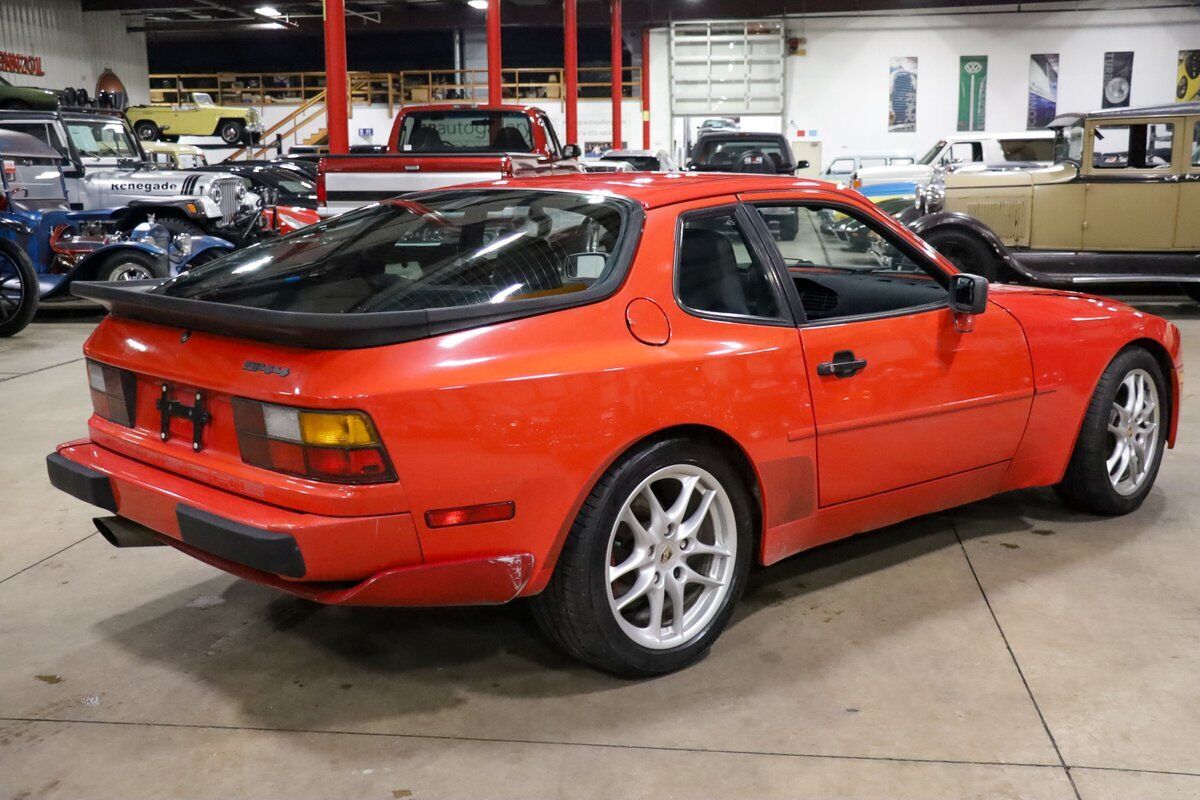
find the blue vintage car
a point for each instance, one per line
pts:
(45, 246)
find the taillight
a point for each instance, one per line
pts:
(337, 446)
(114, 393)
(321, 183)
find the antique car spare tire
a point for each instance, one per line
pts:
(18, 290)
(1121, 441)
(964, 250)
(655, 561)
(130, 265)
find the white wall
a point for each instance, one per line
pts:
(840, 88)
(74, 46)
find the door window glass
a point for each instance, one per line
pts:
(841, 166)
(965, 153)
(1196, 145)
(717, 271)
(1137, 146)
(873, 162)
(844, 266)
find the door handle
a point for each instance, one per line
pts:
(843, 365)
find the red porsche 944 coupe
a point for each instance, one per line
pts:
(610, 394)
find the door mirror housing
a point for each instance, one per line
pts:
(801, 164)
(571, 151)
(968, 294)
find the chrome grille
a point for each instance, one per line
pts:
(227, 198)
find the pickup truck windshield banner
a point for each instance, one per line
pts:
(972, 92)
(902, 98)
(1118, 78)
(1043, 89)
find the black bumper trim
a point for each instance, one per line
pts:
(78, 481)
(242, 544)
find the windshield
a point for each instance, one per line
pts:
(202, 99)
(1068, 143)
(466, 131)
(639, 163)
(933, 153)
(32, 183)
(727, 152)
(434, 251)
(102, 139)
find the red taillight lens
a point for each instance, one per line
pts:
(114, 393)
(335, 446)
(470, 515)
(321, 183)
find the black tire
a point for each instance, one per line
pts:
(1192, 290)
(178, 225)
(1086, 485)
(574, 609)
(964, 250)
(231, 130)
(18, 290)
(146, 130)
(128, 265)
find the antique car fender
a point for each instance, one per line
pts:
(85, 268)
(202, 244)
(941, 220)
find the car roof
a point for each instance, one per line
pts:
(740, 135)
(656, 189)
(471, 107)
(1038, 133)
(1169, 110)
(875, 154)
(26, 146)
(623, 153)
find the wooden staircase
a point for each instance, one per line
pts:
(305, 113)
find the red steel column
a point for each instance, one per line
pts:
(335, 77)
(571, 70)
(645, 88)
(617, 73)
(495, 90)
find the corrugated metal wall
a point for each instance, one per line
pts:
(75, 47)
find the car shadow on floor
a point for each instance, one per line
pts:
(290, 663)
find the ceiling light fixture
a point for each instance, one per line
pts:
(268, 11)
(479, 4)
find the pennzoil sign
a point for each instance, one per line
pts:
(20, 64)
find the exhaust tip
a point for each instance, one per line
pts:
(121, 532)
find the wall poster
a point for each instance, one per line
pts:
(902, 95)
(1043, 89)
(1118, 78)
(972, 92)
(1188, 87)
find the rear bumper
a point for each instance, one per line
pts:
(372, 560)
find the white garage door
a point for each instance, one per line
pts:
(727, 67)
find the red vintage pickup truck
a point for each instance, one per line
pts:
(442, 145)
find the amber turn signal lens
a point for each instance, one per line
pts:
(343, 429)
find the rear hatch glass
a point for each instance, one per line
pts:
(452, 251)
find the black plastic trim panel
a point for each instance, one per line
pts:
(252, 547)
(81, 482)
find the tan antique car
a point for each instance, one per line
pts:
(1121, 204)
(199, 116)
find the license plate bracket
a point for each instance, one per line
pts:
(197, 414)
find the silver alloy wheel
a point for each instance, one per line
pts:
(1133, 427)
(130, 271)
(671, 557)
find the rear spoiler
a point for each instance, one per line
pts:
(133, 300)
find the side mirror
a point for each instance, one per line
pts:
(571, 151)
(801, 164)
(968, 297)
(586, 266)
